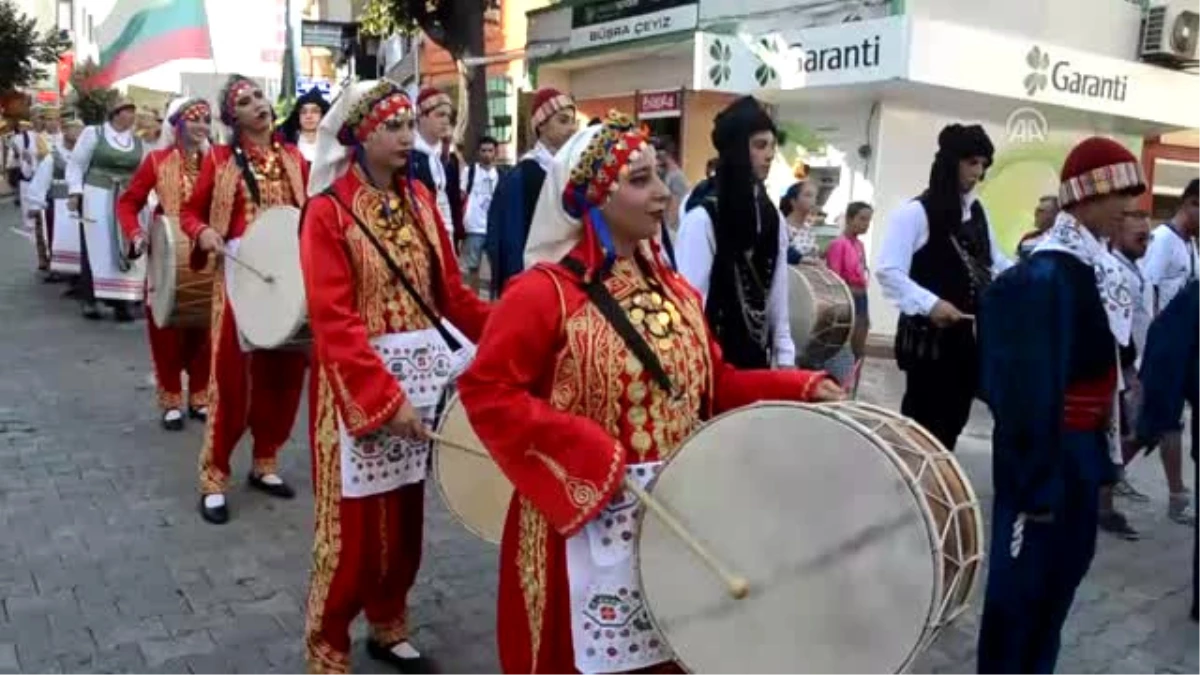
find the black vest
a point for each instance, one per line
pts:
(939, 266)
(423, 173)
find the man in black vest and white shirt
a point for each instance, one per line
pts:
(937, 257)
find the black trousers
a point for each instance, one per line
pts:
(939, 392)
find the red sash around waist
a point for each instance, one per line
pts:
(1088, 404)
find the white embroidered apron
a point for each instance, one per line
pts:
(610, 625)
(425, 366)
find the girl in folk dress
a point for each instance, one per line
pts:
(567, 409)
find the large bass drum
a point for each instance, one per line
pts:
(820, 312)
(858, 532)
(265, 283)
(179, 296)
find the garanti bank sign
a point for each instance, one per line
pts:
(1066, 77)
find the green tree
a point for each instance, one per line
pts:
(90, 102)
(25, 54)
(456, 26)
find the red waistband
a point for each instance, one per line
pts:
(1088, 404)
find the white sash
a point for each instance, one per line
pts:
(610, 624)
(425, 366)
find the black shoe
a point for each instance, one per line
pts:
(91, 311)
(121, 314)
(199, 414)
(385, 654)
(175, 424)
(217, 515)
(282, 490)
(1114, 523)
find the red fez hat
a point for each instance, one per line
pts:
(432, 97)
(546, 102)
(1096, 167)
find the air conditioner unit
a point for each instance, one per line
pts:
(1170, 33)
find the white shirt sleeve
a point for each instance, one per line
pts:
(777, 304)
(39, 186)
(694, 250)
(1000, 260)
(80, 157)
(906, 232)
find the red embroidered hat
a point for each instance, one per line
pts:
(1099, 166)
(546, 102)
(430, 98)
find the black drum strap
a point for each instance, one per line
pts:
(598, 293)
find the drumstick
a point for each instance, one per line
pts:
(261, 275)
(738, 586)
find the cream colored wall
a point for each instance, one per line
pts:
(699, 109)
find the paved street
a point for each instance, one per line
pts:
(105, 565)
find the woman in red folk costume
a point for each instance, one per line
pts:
(568, 409)
(260, 389)
(170, 173)
(380, 273)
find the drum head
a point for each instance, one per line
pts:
(269, 312)
(472, 486)
(820, 520)
(161, 268)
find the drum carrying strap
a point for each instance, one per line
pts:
(598, 293)
(451, 341)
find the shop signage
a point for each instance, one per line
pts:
(1063, 76)
(659, 104)
(613, 21)
(845, 53)
(976, 60)
(321, 34)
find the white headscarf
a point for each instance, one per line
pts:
(553, 233)
(167, 138)
(332, 158)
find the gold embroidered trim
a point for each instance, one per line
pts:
(169, 399)
(225, 189)
(295, 176)
(327, 539)
(531, 568)
(213, 481)
(356, 418)
(168, 183)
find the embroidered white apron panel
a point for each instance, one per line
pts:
(425, 366)
(610, 625)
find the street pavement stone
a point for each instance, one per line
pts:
(105, 565)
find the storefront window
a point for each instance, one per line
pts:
(499, 119)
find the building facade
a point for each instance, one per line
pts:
(862, 87)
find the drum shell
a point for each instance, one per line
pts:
(179, 296)
(820, 312)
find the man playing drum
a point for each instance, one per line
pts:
(734, 249)
(262, 389)
(1049, 331)
(171, 172)
(377, 263)
(102, 162)
(595, 366)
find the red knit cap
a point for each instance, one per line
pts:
(1096, 167)
(546, 102)
(432, 97)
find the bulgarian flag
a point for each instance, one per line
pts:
(140, 34)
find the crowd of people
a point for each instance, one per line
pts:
(625, 311)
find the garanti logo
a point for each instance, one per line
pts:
(1061, 76)
(1038, 61)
